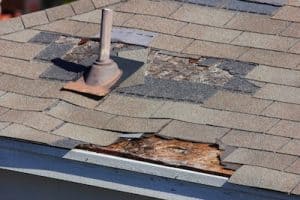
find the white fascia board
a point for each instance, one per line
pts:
(146, 168)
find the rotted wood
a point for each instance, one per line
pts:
(182, 154)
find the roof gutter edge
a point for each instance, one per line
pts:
(121, 174)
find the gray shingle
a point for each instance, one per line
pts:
(35, 120)
(294, 168)
(135, 125)
(88, 135)
(254, 140)
(129, 106)
(78, 115)
(193, 132)
(265, 178)
(260, 158)
(286, 129)
(21, 102)
(18, 131)
(293, 148)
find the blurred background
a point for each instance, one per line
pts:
(13, 8)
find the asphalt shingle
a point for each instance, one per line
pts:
(21, 102)
(34, 19)
(260, 158)
(21, 132)
(59, 12)
(192, 132)
(129, 106)
(294, 168)
(35, 120)
(254, 140)
(236, 102)
(159, 8)
(11, 25)
(293, 148)
(283, 111)
(265, 178)
(135, 125)
(202, 15)
(91, 135)
(256, 23)
(275, 75)
(24, 51)
(21, 36)
(279, 93)
(286, 129)
(31, 70)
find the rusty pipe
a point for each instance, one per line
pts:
(106, 28)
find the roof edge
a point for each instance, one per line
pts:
(114, 173)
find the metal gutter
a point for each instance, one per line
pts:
(120, 174)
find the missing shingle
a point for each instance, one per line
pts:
(171, 152)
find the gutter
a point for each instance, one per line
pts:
(121, 174)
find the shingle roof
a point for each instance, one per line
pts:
(241, 93)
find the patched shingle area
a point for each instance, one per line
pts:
(22, 68)
(203, 15)
(35, 120)
(135, 125)
(129, 106)
(236, 102)
(21, 102)
(193, 132)
(264, 178)
(218, 50)
(59, 12)
(82, 116)
(286, 129)
(45, 38)
(260, 158)
(87, 135)
(283, 111)
(254, 140)
(279, 93)
(264, 41)
(256, 23)
(22, 36)
(170, 89)
(67, 27)
(22, 132)
(272, 58)
(275, 75)
(293, 148)
(241, 85)
(155, 24)
(159, 8)
(245, 6)
(53, 51)
(208, 33)
(34, 19)
(271, 2)
(11, 25)
(19, 50)
(195, 114)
